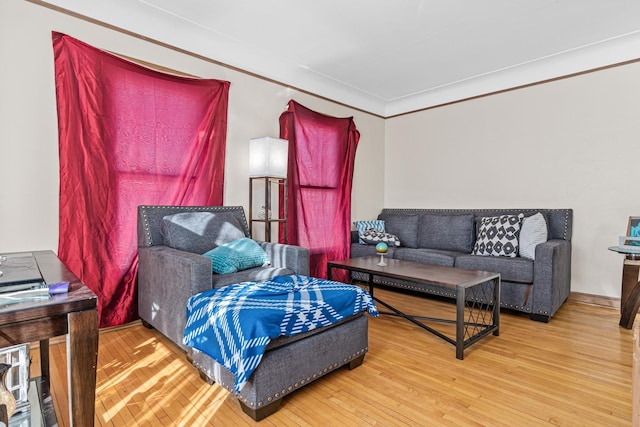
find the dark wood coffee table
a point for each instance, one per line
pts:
(477, 295)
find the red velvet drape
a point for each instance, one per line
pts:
(128, 136)
(322, 151)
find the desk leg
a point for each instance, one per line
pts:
(82, 359)
(630, 300)
(4, 416)
(44, 362)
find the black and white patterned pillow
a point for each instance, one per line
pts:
(498, 236)
(363, 226)
(373, 237)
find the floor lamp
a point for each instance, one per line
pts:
(268, 158)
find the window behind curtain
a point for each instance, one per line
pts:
(128, 136)
(322, 153)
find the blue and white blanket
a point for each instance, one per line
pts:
(234, 324)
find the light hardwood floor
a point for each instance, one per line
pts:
(573, 371)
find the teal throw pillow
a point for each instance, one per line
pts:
(236, 256)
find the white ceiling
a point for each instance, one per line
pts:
(388, 57)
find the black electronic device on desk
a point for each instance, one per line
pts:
(22, 281)
(19, 272)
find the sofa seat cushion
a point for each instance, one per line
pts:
(257, 274)
(447, 232)
(510, 269)
(427, 256)
(359, 251)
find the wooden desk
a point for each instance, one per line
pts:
(73, 314)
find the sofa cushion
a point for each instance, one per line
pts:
(373, 237)
(447, 232)
(198, 232)
(498, 236)
(236, 256)
(359, 251)
(510, 269)
(532, 233)
(403, 226)
(427, 256)
(363, 226)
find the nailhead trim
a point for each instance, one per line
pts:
(147, 226)
(303, 381)
(290, 388)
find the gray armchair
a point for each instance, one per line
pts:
(169, 276)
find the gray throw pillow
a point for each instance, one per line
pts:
(532, 232)
(447, 232)
(405, 227)
(199, 232)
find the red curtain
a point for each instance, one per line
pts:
(128, 136)
(322, 151)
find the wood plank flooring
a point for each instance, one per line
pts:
(573, 371)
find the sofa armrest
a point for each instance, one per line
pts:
(295, 258)
(551, 276)
(167, 278)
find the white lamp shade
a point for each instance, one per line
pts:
(268, 157)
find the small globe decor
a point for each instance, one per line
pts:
(381, 249)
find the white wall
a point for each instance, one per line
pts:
(572, 143)
(29, 180)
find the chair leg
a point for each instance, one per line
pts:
(206, 378)
(356, 362)
(146, 324)
(539, 318)
(263, 412)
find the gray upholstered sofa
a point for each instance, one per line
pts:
(169, 276)
(446, 237)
